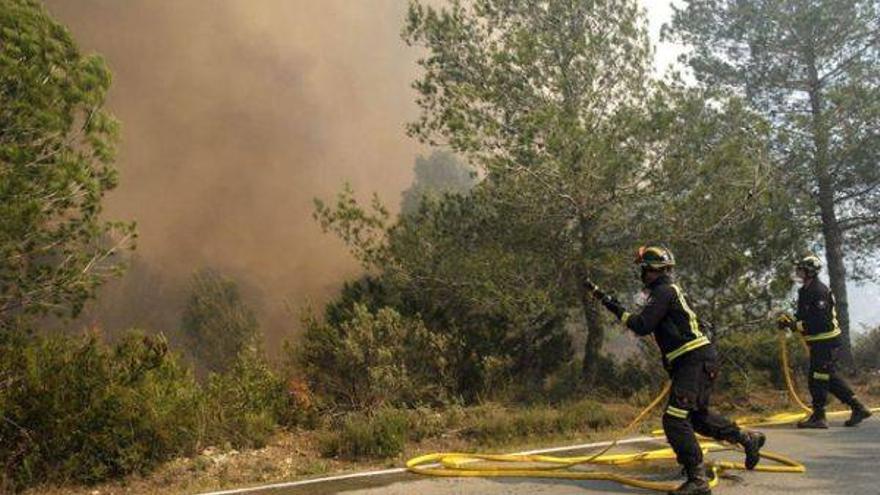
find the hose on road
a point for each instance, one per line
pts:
(542, 466)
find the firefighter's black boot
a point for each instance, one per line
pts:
(816, 421)
(751, 442)
(859, 414)
(696, 484)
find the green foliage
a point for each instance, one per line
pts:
(632, 376)
(244, 405)
(489, 282)
(450, 265)
(716, 204)
(813, 70)
(497, 425)
(57, 145)
(372, 292)
(580, 148)
(373, 359)
(583, 157)
(866, 350)
(379, 434)
(73, 409)
(384, 432)
(217, 324)
(362, 230)
(549, 101)
(439, 174)
(751, 362)
(78, 410)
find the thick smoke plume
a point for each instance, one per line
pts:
(236, 113)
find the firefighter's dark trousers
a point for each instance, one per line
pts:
(688, 409)
(825, 378)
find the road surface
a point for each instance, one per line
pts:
(839, 461)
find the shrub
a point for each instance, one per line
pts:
(584, 415)
(74, 409)
(424, 422)
(866, 350)
(374, 359)
(217, 324)
(750, 361)
(637, 374)
(496, 425)
(565, 383)
(382, 434)
(244, 405)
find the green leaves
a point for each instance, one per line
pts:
(812, 70)
(581, 157)
(362, 230)
(554, 102)
(57, 145)
(439, 174)
(375, 358)
(217, 325)
(77, 409)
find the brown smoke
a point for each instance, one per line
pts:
(236, 113)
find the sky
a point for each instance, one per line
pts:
(660, 12)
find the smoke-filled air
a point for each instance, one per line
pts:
(236, 115)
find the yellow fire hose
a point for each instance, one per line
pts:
(542, 466)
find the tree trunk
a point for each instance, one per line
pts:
(830, 225)
(595, 338)
(592, 321)
(837, 276)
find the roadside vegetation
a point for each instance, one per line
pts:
(469, 327)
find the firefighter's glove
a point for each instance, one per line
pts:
(785, 322)
(592, 288)
(613, 305)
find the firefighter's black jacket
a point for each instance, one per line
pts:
(669, 317)
(817, 314)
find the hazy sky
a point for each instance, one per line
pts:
(659, 12)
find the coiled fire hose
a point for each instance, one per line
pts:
(456, 464)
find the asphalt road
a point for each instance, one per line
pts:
(839, 461)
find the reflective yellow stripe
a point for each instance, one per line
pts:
(694, 344)
(821, 376)
(835, 326)
(624, 318)
(822, 336)
(676, 412)
(834, 315)
(692, 317)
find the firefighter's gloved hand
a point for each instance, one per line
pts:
(591, 288)
(613, 305)
(785, 322)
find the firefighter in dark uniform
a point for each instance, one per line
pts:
(692, 363)
(816, 320)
